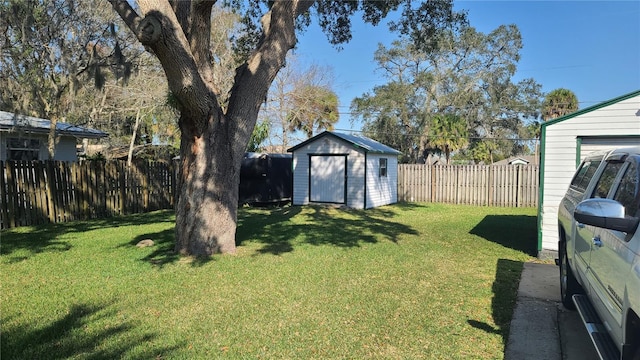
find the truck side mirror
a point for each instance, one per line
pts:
(605, 213)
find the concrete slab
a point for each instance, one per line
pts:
(540, 281)
(534, 331)
(541, 328)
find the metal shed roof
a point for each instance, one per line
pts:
(364, 143)
(10, 122)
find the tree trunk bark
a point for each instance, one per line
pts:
(208, 178)
(51, 139)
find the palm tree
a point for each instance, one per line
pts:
(559, 102)
(448, 133)
(315, 109)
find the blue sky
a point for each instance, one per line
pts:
(589, 47)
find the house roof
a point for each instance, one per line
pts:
(522, 159)
(10, 122)
(360, 142)
(591, 108)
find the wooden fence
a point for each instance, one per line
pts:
(40, 192)
(35, 192)
(485, 185)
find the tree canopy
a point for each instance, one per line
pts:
(66, 61)
(464, 75)
(559, 102)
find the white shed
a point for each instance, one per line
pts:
(338, 168)
(565, 141)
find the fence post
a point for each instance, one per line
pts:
(433, 183)
(49, 171)
(519, 187)
(3, 197)
(11, 194)
(146, 174)
(124, 171)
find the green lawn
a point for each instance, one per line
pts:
(408, 281)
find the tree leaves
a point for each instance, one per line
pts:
(559, 102)
(314, 108)
(461, 74)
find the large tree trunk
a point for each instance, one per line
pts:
(206, 210)
(213, 139)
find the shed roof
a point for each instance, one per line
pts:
(10, 122)
(363, 143)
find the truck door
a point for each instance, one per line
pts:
(611, 255)
(582, 232)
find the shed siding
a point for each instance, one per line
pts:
(560, 153)
(327, 145)
(381, 190)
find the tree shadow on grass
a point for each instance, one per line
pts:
(320, 225)
(69, 337)
(518, 232)
(29, 241)
(505, 291)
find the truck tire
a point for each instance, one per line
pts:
(569, 286)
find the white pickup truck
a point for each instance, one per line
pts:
(599, 246)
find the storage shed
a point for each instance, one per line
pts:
(339, 168)
(565, 141)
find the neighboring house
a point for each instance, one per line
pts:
(518, 160)
(565, 141)
(26, 138)
(338, 168)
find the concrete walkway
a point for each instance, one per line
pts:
(541, 328)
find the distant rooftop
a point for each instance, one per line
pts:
(10, 122)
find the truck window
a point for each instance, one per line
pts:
(584, 174)
(627, 193)
(606, 180)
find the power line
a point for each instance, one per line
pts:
(439, 136)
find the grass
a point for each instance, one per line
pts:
(409, 281)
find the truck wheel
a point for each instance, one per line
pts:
(569, 286)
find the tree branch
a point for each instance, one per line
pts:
(182, 9)
(200, 39)
(128, 15)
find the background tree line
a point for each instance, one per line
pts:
(456, 93)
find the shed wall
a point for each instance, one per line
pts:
(381, 190)
(620, 121)
(328, 145)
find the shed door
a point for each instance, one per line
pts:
(327, 178)
(601, 143)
